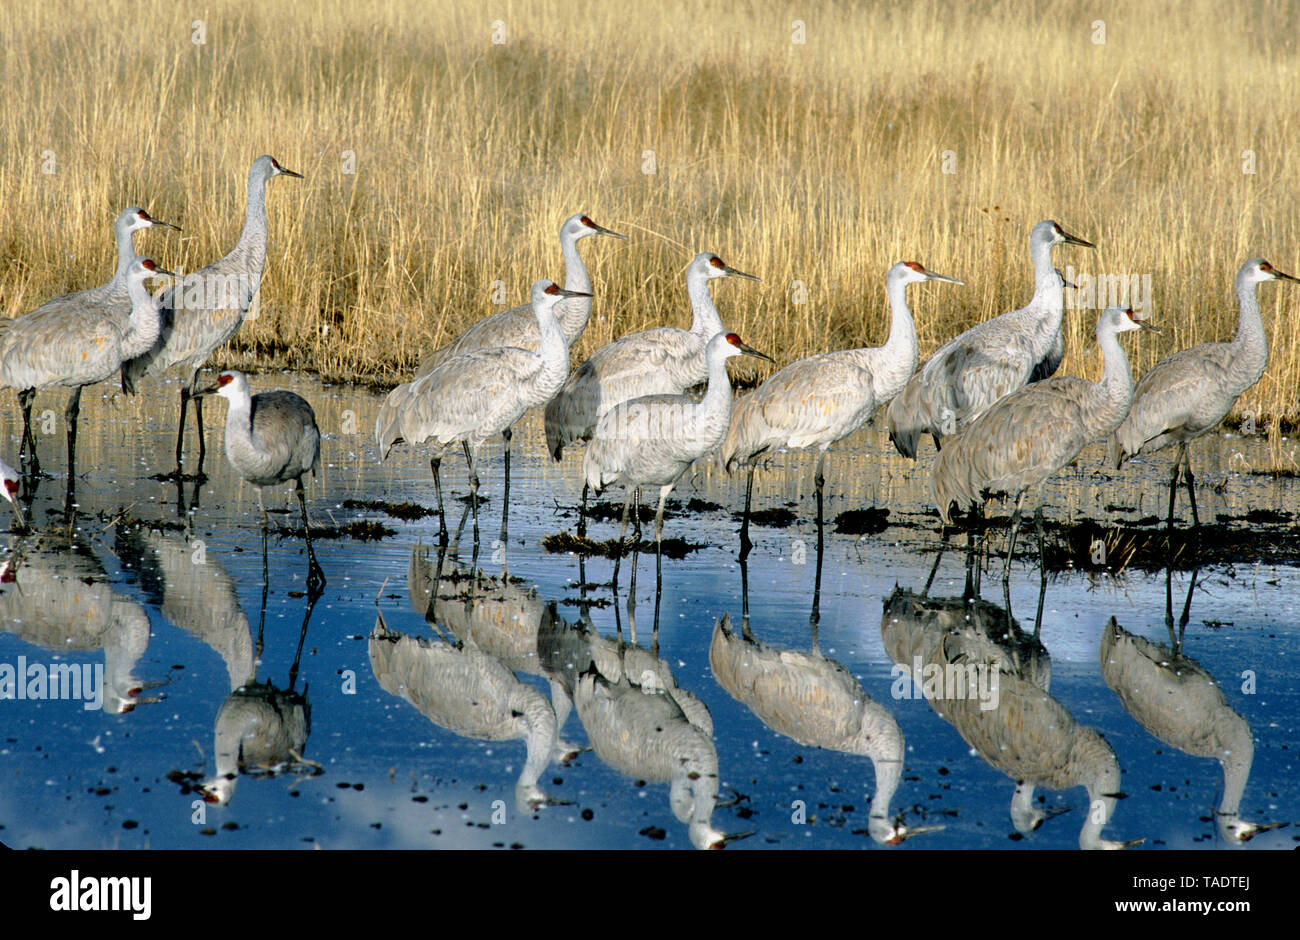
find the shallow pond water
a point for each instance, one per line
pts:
(171, 603)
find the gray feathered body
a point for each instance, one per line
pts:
(515, 327)
(468, 692)
(274, 439)
(663, 361)
(1025, 437)
(1028, 735)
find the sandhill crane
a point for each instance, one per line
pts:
(9, 485)
(271, 438)
(816, 702)
(260, 729)
(517, 326)
(500, 617)
(63, 345)
(470, 693)
(201, 314)
(819, 401)
(991, 359)
(54, 592)
(476, 396)
(1026, 734)
(652, 441)
(1175, 699)
(194, 592)
(1025, 437)
(1186, 395)
(112, 297)
(662, 361)
(641, 731)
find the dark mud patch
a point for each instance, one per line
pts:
(407, 512)
(778, 517)
(563, 542)
(363, 530)
(871, 521)
(613, 512)
(1091, 546)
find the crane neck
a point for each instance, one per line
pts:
(125, 254)
(1116, 381)
(575, 270)
(1236, 754)
(896, 360)
(705, 321)
(717, 396)
(882, 740)
(144, 324)
(1094, 765)
(254, 233)
(552, 347)
(1250, 340)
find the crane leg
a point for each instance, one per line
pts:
(744, 599)
(1173, 481)
(819, 480)
(659, 528)
(261, 505)
(622, 533)
(507, 434)
(636, 515)
(582, 514)
(28, 449)
(1042, 568)
(815, 617)
(435, 463)
(315, 575)
(1191, 483)
(1011, 550)
(943, 543)
(180, 431)
(203, 449)
(745, 543)
(473, 487)
(70, 414)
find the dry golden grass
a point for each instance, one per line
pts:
(818, 162)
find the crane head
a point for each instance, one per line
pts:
(1050, 231)
(733, 345)
(1264, 271)
(914, 271)
(580, 226)
(715, 267)
(145, 268)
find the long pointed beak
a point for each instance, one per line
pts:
(1146, 327)
(287, 172)
(751, 351)
(601, 230)
(162, 272)
(572, 293)
(1076, 240)
(206, 390)
(164, 224)
(18, 511)
(931, 276)
(732, 272)
(1285, 277)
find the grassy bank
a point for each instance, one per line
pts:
(820, 161)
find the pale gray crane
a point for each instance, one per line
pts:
(55, 593)
(652, 441)
(479, 395)
(112, 297)
(991, 359)
(500, 616)
(271, 438)
(642, 732)
(1026, 734)
(1027, 436)
(470, 693)
(204, 311)
(662, 361)
(1186, 395)
(1175, 699)
(816, 702)
(65, 345)
(819, 401)
(193, 590)
(9, 486)
(517, 326)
